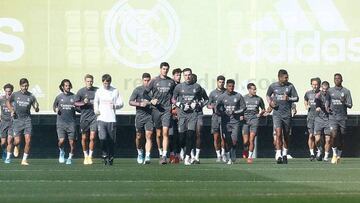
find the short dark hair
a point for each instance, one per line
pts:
(9, 86)
(146, 75)
(194, 77)
(337, 74)
(325, 83)
(88, 76)
(230, 81)
(176, 70)
(62, 84)
(317, 79)
(187, 69)
(23, 81)
(250, 85)
(106, 77)
(282, 72)
(164, 64)
(220, 77)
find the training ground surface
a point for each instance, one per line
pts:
(45, 180)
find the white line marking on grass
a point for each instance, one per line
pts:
(181, 181)
(186, 194)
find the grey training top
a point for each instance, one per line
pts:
(138, 95)
(310, 98)
(161, 89)
(253, 103)
(322, 100)
(277, 91)
(231, 106)
(214, 95)
(186, 93)
(5, 112)
(87, 110)
(65, 104)
(22, 103)
(340, 101)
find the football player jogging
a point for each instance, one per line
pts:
(340, 101)
(143, 120)
(219, 143)
(284, 95)
(195, 156)
(230, 106)
(174, 144)
(160, 90)
(310, 106)
(251, 119)
(187, 97)
(107, 101)
(88, 126)
(19, 104)
(6, 122)
(64, 107)
(322, 101)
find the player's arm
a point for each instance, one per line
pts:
(79, 102)
(242, 105)
(96, 103)
(175, 97)
(269, 98)
(35, 104)
(306, 101)
(118, 101)
(262, 107)
(9, 104)
(204, 98)
(56, 107)
(218, 105)
(348, 100)
(318, 102)
(293, 97)
(211, 103)
(148, 93)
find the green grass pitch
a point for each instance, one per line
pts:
(45, 180)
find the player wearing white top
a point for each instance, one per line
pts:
(107, 100)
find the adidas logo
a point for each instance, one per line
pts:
(300, 31)
(37, 92)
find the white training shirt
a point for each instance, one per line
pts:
(106, 102)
